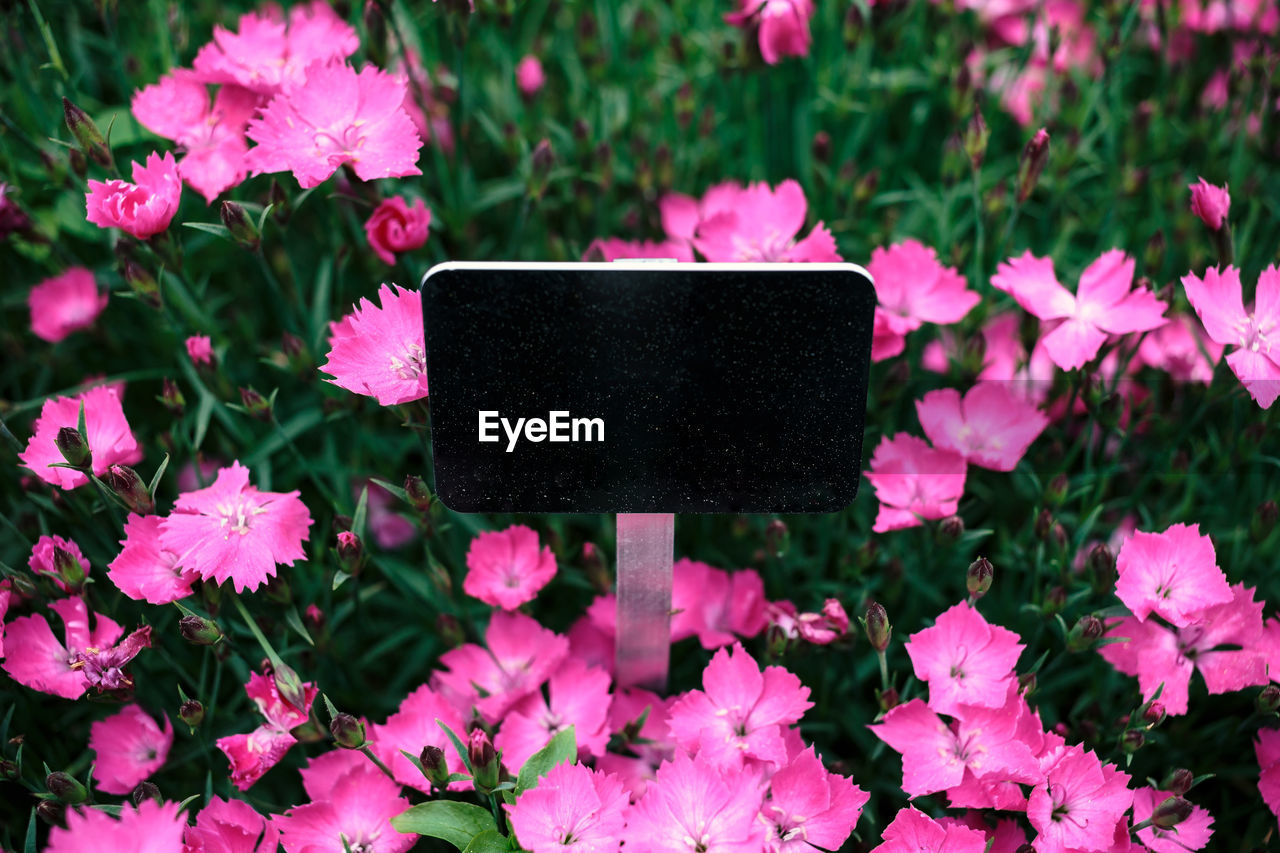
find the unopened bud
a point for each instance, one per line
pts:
(1101, 560)
(434, 766)
(978, 578)
(141, 281)
(1056, 492)
(887, 699)
(347, 731)
(976, 135)
(279, 201)
(128, 486)
(171, 397)
(74, 449)
(1085, 633)
(68, 567)
(242, 229)
(879, 631)
(255, 405)
(1027, 684)
(1178, 782)
(200, 631)
(541, 161)
(66, 788)
(822, 146)
(1034, 156)
(52, 812)
(192, 713)
(597, 572)
(1154, 714)
(8, 770)
(484, 761)
(77, 162)
(419, 495)
(1058, 536)
(145, 791)
(1043, 523)
(86, 133)
(1264, 520)
(1055, 599)
(450, 630)
(950, 529)
(777, 538)
(1133, 740)
(1269, 699)
(350, 552)
(1173, 811)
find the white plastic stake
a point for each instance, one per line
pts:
(646, 549)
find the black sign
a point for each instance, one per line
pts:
(647, 386)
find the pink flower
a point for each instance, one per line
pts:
(381, 351)
(761, 224)
(579, 698)
(912, 831)
(44, 664)
(965, 660)
(983, 743)
(682, 215)
(715, 604)
(145, 571)
(809, 808)
(651, 745)
(1267, 749)
(1176, 348)
(110, 440)
(426, 103)
(914, 482)
(128, 747)
(104, 668)
(253, 754)
(991, 426)
(1172, 574)
(230, 530)
(573, 810)
(612, 249)
(1193, 833)
(336, 116)
(1210, 203)
(740, 713)
(231, 826)
(200, 349)
(1218, 303)
(396, 227)
(1157, 655)
(1078, 803)
(412, 728)
(143, 208)
(817, 628)
(64, 304)
(390, 529)
(505, 568)
(177, 107)
(6, 598)
(265, 56)
(912, 289)
(1103, 304)
(42, 558)
(149, 827)
(529, 76)
(351, 809)
(783, 26)
(519, 657)
(691, 805)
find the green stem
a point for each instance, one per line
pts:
(378, 763)
(884, 670)
(979, 239)
(267, 648)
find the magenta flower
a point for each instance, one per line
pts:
(1172, 574)
(381, 351)
(45, 664)
(200, 349)
(506, 568)
(6, 598)
(612, 249)
(1103, 304)
(1078, 803)
(104, 668)
(396, 227)
(1158, 655)
(913, 288)
(1210, 203)
(351, 809)
(65, 303)
(128, 747)
(390, 529)
(808, 807)
(177, 107)
(817, 628)
(253, 754)
(149, 827)
(573, 810)
(682, 215)
(519, 657)
(693, 805)
(529, 76)
(716, 605)
(231, 826)
(1193, 833)
(412, 728)
(761, 224)
(651, 747)
(144, 570)
(42, 559)
(912, 831)
(965, 660)
(336, 116)
(110, 440)
(741, 713)
(579, 697)
(143, 208)
(1255, 334)
(991, 426)
(914, 482)
(1267, 749)
(266, 55)
(1182, 349)
(782, 26)
(230, 530)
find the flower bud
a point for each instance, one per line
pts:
(128, 486)
(879, 631)
(279, 201)
(1173, 811)
(171, 397)
(1034, 156)
(74, 449)
(1102, 561)
(1058, 536)
(887, 699)
(978, 578)
(1178, 782)
(8, 770)
(69, 568)
(141, 281)
(450, 630)
(77, 162)
(1154, 714)
(419, 495)
(290, 686)
(541, 161)
(242, 229)
(1055, 598)
(200, 631)
(1269, 699)
(52, 812)
(777, 538)
(66, 788)
(821, 146)
(976, 135)
(484, 761)
(950, 529)
(255, 405)
(91, 140)
(145, 791)
(350, 552)
(434, 766)
(1027, 684)
(314, 617)
(1133, 740)
(834, 617)
(1056, 492)
(347, 731)
(1084, 633)
(1043, 523)
(192, 713)
(1264, 520)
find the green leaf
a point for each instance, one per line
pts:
(362, 512)
(489, 841)
(29, 846)
(339, 578)
(561, 748)
(449, 820)
(210, 228)
(294, 621)
(393, 489)
(155, 480)
(458, 745)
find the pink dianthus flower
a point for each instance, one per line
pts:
(809, 808)
(1078, 803)
(42, 558)
(990, 426)
(397, 227)
(1193, 833)
(253, 754)
(913, 481)
(759, 223)
(143, 208)
(146, 571)
(1173, 574)
(65, 303)
(351, 808)
(506, 568)
(716, 605)
(573, 810)
(128, 747)
(782, 26)
(381, 351)
(1254, 334)
(1210, 203)
(692, 806)
(964, 659)
(231, 826)
(913, 288)
(110, 440)
(912, 831)
(412, 728)
(579, 697)
(44, 663)
(149, 827)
